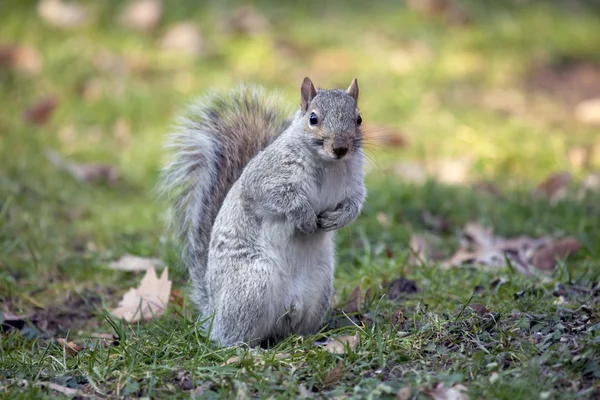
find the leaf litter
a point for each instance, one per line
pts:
(129, 262)
(479, 246)
(149, 300)
(85, 172)
(440, 392)
(71, 347)
(341, 344)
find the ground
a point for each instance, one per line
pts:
(484, 96)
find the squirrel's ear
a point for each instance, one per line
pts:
(353, 89)
(308, 92)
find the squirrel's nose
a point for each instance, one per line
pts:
(340, 151)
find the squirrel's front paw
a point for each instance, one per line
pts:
(329, 221)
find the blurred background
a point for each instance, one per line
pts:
(496, 95)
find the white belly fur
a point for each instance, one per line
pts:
(308, 260)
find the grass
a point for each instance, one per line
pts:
(427, 76)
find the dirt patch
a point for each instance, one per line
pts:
(78, 312)
(568, 80)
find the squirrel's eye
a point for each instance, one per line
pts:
(313, 119)
(359, 120)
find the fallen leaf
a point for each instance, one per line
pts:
(247, 20)
(22, 58)
(142, 15)
(385, 136)
(591, 183)
(482, 248)
(338, 345)
(62, 14)
(231, 360)
(85, 172)
(71, 348)
(411, 172)
(10, 320)
(335, 375)
(555, 186)
(61, 389)
(104, 340)
(440, 392)
(419, 249)
(435, 222)
(130, 262)
(355, 301)
(403, 394)
(488, 188)
(40, 112)
(397, 288)
(546, 258)
(398, 317)
(148, 300)
(454, 171)
(424, 248)
(480, 309)
(177, 297)
(588, 111)
(383, 219)
(580, 157)
(184, 38)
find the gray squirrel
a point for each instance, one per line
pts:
(256, 200)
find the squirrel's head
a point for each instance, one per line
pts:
(332, 120)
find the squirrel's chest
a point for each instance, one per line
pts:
(331, 188)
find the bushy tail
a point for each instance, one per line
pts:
(212, 143)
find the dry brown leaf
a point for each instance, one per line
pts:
(71, 348)
(383, 219)
(385, 136)
(22, 58)
(591, 183)
(85, 172)
(62, 14)
(10, 320)
(403, 394)
(40, 112)
(104, 340)
(185, 38)
(554, 187)
(355, 301)
(588, 111)
(130, 262)
(440, 392)
(480, 309)
(335, 375)
(398, 317)
(177, 297)
(419, 249)
(231, 360)
(61, 389)
(148, 300)
(546, 258)
(436, 222)
(247, 20)
(338, 345)
(142, 15)
(454, 171)
(481, 247)
(411, 172)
